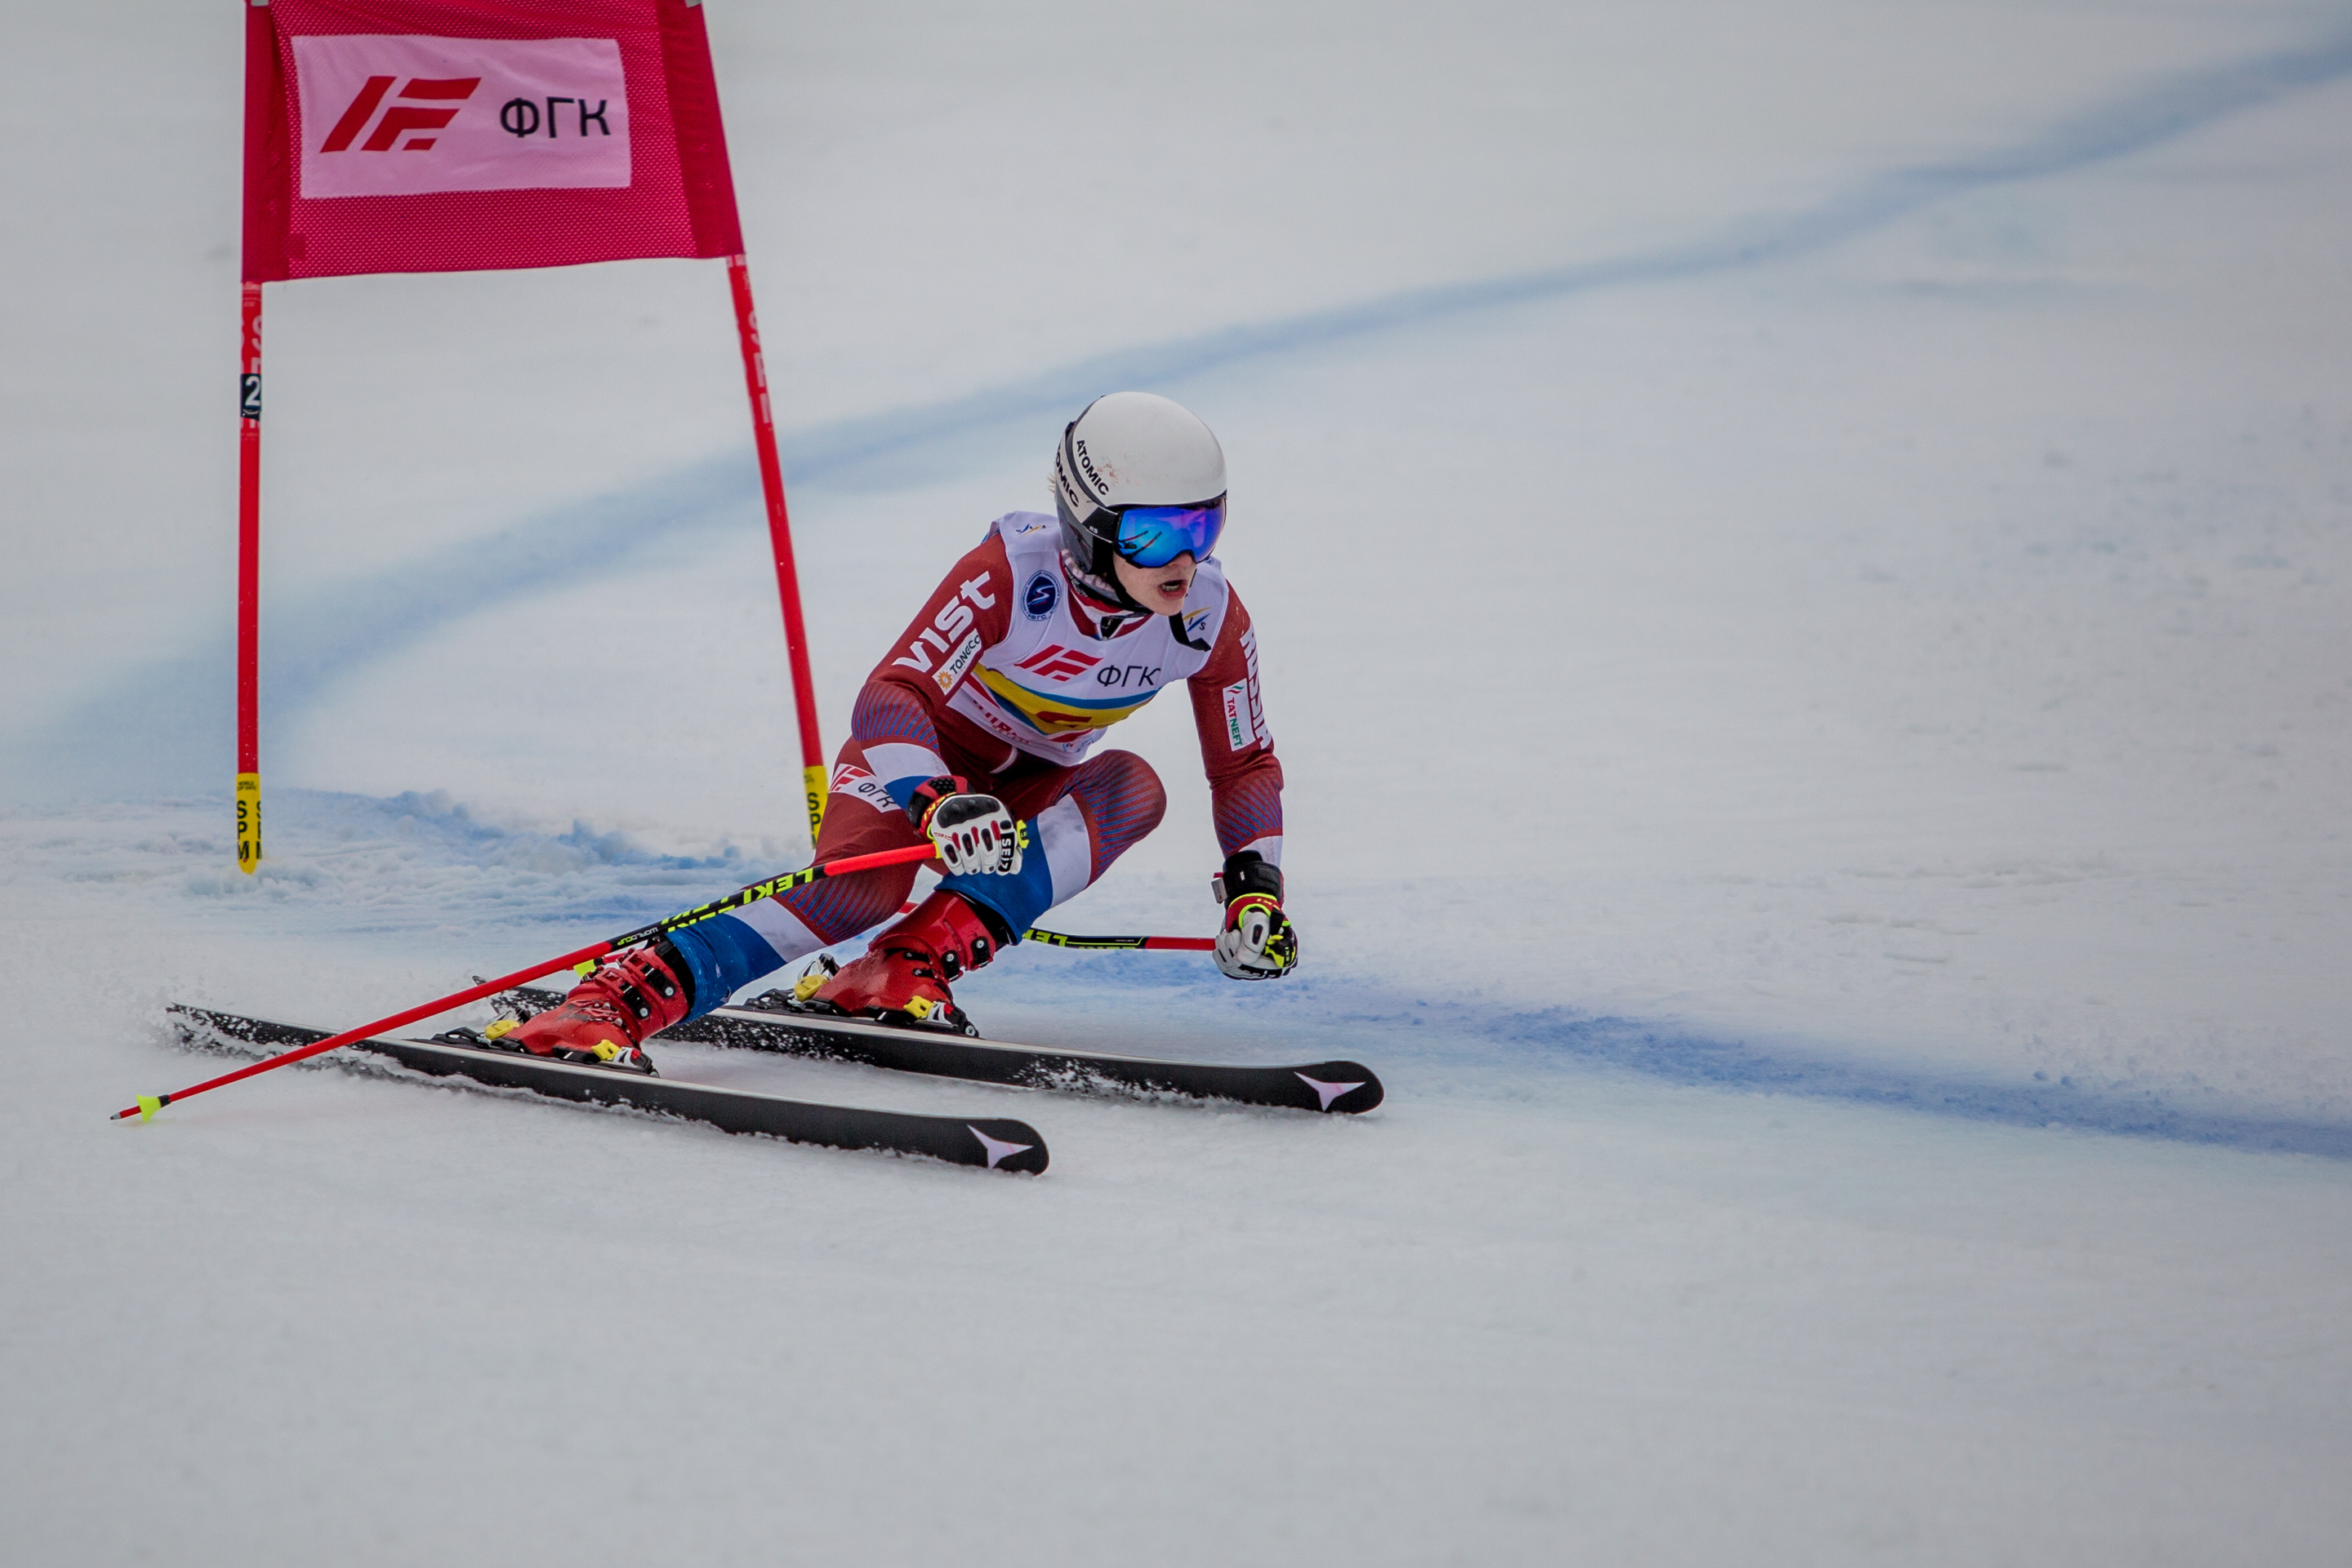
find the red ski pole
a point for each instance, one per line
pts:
(148, 1105)
(1125, 943)
(1112, 944)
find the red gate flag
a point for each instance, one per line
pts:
(466, 135)
(463, 135)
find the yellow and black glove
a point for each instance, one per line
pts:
(1256, 941)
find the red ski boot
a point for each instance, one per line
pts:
(905, 972)
(601, 1024)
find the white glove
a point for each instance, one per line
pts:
(975, 835)
(1256, 941)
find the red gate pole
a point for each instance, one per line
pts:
(248, 587)
(780, 532)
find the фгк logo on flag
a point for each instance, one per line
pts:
(385, 115)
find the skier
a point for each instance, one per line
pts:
(973, 732)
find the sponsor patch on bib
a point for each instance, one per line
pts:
(958, 662)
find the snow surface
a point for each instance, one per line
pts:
(1802, 560)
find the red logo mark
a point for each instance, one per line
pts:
(399, 119)
(1058, 663)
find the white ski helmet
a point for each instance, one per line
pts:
(1140, 476)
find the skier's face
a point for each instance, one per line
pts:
(1160, 589)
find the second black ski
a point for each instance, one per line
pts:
(774, 1021)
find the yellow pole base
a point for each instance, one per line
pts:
(248, 823)
(813, 783)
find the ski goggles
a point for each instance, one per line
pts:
(1155, 535)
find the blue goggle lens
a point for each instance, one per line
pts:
(1155, 535)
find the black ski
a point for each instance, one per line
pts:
(996, 1143)
(774, 1021)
